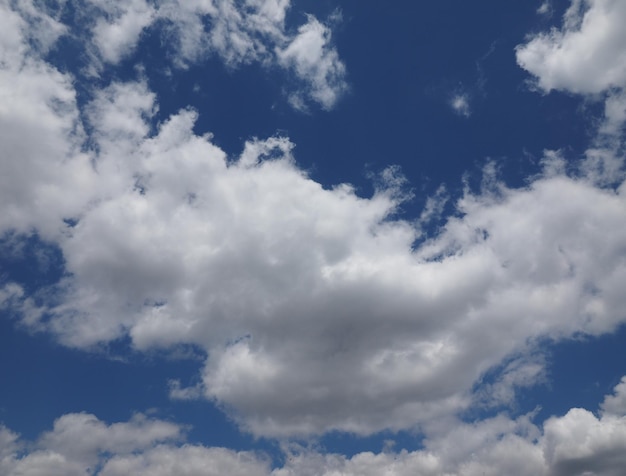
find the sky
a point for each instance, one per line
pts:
(311, 237)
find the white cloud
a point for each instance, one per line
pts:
(44, 28)
(575, 444)
(82, 437)
(545, 8)
(290, 287)
(616, 404)
(78, 443)
(460, 105)
(434, 206)
(587, 55)
(187, 461)
(363, 464)
(614, 115)
(37, 102)
(116, 34)
(239, 32)
(578, 443)
(177, 392)
(8, 442)
(317, 63)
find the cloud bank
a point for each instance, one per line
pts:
(578, 443)
(314, 306)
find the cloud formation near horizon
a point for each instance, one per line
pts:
(578, 443)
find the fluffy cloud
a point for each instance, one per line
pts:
(311, 58)
(616, 404)
(587, 55)
(290, 287)
(578, 443)
(117, 32)
(239, 32)
(188, 461)
(77, 444)
(315, 308)
(38, 23)
(8, 442)
(614, 114)
(37, 101)
(82, 437)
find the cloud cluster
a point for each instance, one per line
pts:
(578, 443)
(77, 443)
(587, 55)
(309, 56)
(42, 180)
(315, 308)
(239, 32)
(117, 28)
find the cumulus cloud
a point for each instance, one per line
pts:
(37, 101)
(616, 404)
(290, 286)
(117, 32)
(587, 55)
(311, 57)
(188, 461)
(78, 442)
(82, 437)
(578, 443)
(614, 115)
(314, 306)
(8, 442)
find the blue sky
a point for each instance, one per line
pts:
(295, 237)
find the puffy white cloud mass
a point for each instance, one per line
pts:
(310, 57)
(316, 309)
(578, 443)
(37, 101)
(78, 442)
(587, 55)
(117, 32)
